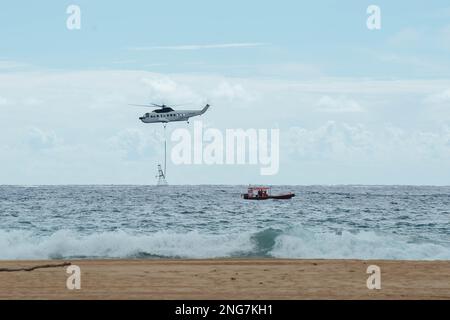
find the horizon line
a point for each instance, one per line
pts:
(227, 184)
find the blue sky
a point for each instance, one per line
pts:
(330, 35)
(353, 105)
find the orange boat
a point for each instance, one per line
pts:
(263, 193)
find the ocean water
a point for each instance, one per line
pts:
(365, 222)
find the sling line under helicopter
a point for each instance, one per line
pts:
(163, 174)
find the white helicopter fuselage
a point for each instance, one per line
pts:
(171, 116)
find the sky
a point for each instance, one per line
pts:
(352, 105)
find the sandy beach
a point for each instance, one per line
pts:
(228, 279)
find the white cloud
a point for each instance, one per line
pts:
(164, 89)
(10, 64)
(30, 101)
(338, 104)
(39, 139)
(135, 144)
(442, 97)
(408, 60)
(373, 146)
(232, 91)
(331, 141)
(3, 101)
(201, 46)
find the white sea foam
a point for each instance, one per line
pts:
(296, 242)
(119, 244)
(302, 243)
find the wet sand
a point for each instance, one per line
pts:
(228, 279)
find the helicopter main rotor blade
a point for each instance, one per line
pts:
(180, 104)
(155, 105)
(142, 105)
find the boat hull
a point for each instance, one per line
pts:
(283, 196)
(277, 197)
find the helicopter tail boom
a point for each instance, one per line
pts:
(204, 109)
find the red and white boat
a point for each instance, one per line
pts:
(263, 193)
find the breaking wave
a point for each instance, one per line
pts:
(295, 242)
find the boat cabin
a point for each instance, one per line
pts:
(258, 192)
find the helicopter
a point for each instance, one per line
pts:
(166, 114)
